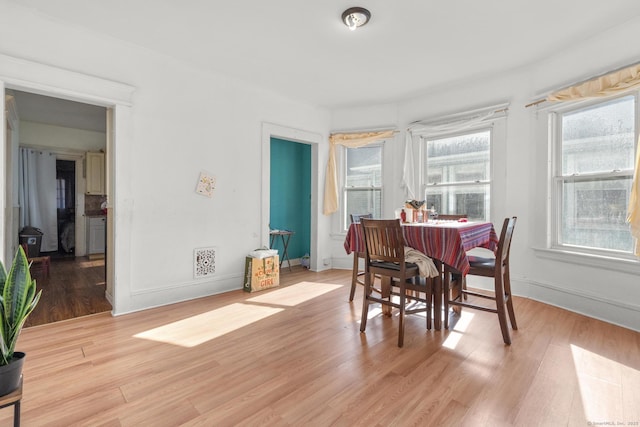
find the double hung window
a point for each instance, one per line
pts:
(363, 182)
(592, 174)
(457, 173)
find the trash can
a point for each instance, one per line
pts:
(32, 237)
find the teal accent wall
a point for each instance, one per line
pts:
(290, 207)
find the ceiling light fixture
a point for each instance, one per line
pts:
(355, 17)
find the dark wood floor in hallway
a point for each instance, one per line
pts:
(74, 288)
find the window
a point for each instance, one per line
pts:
(458, 174)
(595, 148)
(363, 182)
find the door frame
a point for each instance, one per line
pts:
(271, 130)
(34, 77)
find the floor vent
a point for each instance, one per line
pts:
(204, 262)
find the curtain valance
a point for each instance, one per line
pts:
(349, 140)
(610, 84)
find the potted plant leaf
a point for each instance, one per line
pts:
(18, 298)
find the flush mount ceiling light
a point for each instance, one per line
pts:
(355, 17)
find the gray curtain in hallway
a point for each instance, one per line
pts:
(37, 195)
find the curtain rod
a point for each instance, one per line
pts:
(499, 108)
(364, 130)
(597, 76)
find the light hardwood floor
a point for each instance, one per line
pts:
(294, 356)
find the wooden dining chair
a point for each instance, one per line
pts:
(357, 256)
(384, 256)
(43, 263)
(498, 268)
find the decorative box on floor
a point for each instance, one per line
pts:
(261, 273)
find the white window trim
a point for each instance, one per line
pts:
(615, 260)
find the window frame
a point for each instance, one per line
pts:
(344, 215)
(557, 179)
(425, 185)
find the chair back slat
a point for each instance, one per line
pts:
(383, 240)
(355, 218)
(504, 245)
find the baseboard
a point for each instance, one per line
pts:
(609, 310)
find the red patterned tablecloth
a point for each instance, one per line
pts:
(446, 241)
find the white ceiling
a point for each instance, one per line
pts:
(59, 112)
(302, 50)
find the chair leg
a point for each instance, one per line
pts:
(429, 298)
(507, 288)
(403, 300)
(463, 287)
(501, 309)
(446, 284)
(365, 302)
(354, 277)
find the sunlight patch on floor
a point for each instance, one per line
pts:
(198, 329)
(295, 294)
(457, 332)
(610, 391)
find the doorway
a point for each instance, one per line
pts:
(66, 207)
(290, 206)
(75, 285)
(313, 140)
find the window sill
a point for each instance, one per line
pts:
(624, 265)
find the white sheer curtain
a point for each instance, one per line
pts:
(442, 126)
(37, 195)
(408, 172)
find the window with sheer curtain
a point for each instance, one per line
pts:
(593, 165)
(457, 173)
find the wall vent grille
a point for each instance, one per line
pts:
(204, 262)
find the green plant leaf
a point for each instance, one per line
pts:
(17, 300)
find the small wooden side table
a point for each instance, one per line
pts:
(13, 398)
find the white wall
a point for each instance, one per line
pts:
(598, 288)
(182, 121)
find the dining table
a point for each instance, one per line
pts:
(444, 241)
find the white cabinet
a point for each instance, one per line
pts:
(95, 173)
(96, 234)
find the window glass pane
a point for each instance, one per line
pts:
(461, 158)
(363, 202)
(599, 138)
(363, 182)
(364, 167)
(472, 200)
(594, 213)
